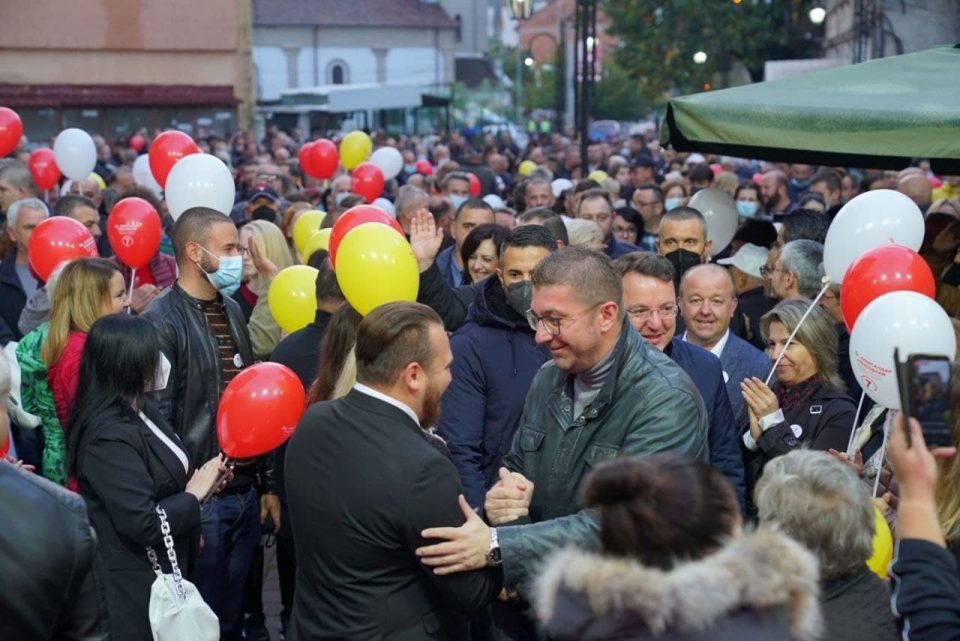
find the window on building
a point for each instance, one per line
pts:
(338, 73)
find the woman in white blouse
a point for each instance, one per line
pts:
(128, 462)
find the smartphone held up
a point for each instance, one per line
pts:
(924, 381)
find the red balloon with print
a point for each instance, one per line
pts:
(43, 168)
(259, 410)
(424, 167)
(134, 231)
(367, 180)
(474, 185)
(167, 149)
(11, 130)
(879, 271)
(324, 159)
(58, 239)
(357, 216)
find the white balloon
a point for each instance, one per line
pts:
(560, 185)
(75, 153)
(143, 176)
(389, 160)
(720, 212)
(386, 206)
(199, 180)
(908, 321)
(870, 220)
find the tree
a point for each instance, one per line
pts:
(659, 37)
(617, 96)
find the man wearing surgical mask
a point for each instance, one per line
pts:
(204, 337)
(495, 357)
(683, 240)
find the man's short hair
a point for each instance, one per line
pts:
(585, 184)
(683, 214)
(528, 236)
(473, 203)
(409, 197)
(17, 174)
(454, 175)
(557, 228)
(537, 213)
(820, 502)
(802, 258)
(806, 225)
(391, 337)
(66, 205)
(594, 194)
(24, 203)
(645, 264)
(536, 180)
(828, 177)
(327, 287)
(655, 188)
(587, 272)
(194, 225)
(701, 173)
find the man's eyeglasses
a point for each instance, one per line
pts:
(644, 314)
(766, 271)
(552, 325)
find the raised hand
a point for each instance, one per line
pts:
(425, 239)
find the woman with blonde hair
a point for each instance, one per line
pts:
(586, 233)
(86, 289)
(265, 254)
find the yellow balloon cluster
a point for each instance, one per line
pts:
(306, 226)
(375, 265)
(879, 561)
(292, 297)
(354, 149)
(526, 167)
(319, 240)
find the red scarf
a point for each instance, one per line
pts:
(797, 395)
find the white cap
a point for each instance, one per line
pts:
(385, 205)
(559, 186)
(494, 201)
(695, 158)
(749, 259)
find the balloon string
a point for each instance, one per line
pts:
(826, 286)
(133, 279)
(856, 420)
(887, 426)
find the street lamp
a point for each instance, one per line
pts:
(528, 61)
(520, 10)
(700, 57)
(818, 15)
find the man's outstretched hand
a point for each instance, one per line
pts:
(464, 548)
(425, 239)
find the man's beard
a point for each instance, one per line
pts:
(430, 414)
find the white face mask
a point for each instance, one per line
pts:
(161, 377)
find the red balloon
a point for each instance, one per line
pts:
(357, 216)
(133, 229)
(43, 168)
(879, 271)
(324, 159)
(58, 239)
(367, 180)
(168, 148)
(137, 142)
(474, 184)
(259, 410)
(11, 129)
(5, 446)
(424, 167)
(303, 155)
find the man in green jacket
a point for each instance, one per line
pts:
(606, 393)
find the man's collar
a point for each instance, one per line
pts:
(369, 391)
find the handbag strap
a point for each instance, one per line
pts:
(171, 554)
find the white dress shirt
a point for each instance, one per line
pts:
(369, 391)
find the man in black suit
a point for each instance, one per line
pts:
(363, 482)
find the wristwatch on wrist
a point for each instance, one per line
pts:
(493, 552)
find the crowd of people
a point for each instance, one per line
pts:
(572, 434)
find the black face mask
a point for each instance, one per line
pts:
(682, 260)
(264, 213)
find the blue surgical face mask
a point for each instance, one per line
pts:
(746, 208)
(672, 203)
(409, 169)
(457, 201)
(227, 277)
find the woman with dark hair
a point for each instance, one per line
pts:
(481, 252)
(674, 564)
(627, 225)
(336, 349)
(128, 463)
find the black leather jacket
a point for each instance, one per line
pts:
(52, 581)
(190, 399)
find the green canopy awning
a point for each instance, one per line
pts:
(878, 114)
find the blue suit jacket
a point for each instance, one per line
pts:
(741, 360)
(704, 369)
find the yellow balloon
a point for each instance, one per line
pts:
(292, 297)
(526, 167)
(319, 240)
(879, 561)
(306, 226)
(354, 149)
(95, 177)
(375, 265)
(598, 174)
